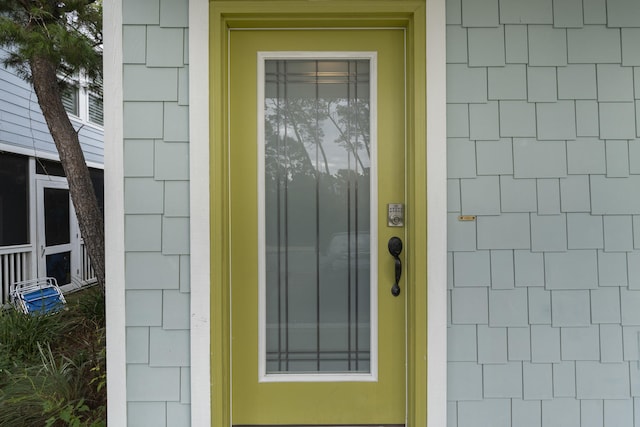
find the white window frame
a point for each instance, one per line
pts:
(371, 376)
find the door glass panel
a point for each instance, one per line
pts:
(317, 191)
(56, 216)
(59, 267)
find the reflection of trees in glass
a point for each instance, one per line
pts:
(302, 138)
(295, 128)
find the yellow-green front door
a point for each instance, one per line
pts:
(317, 152)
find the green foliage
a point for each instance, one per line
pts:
(68, 34)
(58, 377)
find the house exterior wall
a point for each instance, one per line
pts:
(23, 129)
(544, 285)
(156, 210)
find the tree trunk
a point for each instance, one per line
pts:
(45, 83)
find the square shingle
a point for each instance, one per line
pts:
(519, 344)
(545, 344)
(570, 308)
(618, 412)
(490, 235)
(461, 235)
(529, 268)
(517, 118)
(567, 13)
(480, 196)
(547, 46)
(630, 41)
(623, 13)
(586, 156)
(508, 308)
(461, 343)
(584, 231)
(502, 273)
(461, 158)
(575, 195)
(614, 83)
(630, 302)
(453, 195)
(548, 233)
(168, 348)
(145, 383)
(492, 344)
(539, 159)
(486, 47)
(574, 269)
(577, 81)
(458, 120)
(580, 343)
(633, 269)
(615, 196)
(592, 413)
(526, 12)
(483, 121)
(480, 13)
(548, 196)
(516, 44)
(594, 44)
(518, 195)
(611, 349)
(612, 269)
(465, 84)
(489, 412)
(471, 269)
(541, 84)
(526, 413)
(508, 82)
(587, 118)
(469, 306)
(457, 45)
(464, 381)
(502, 381)
(494, 157)
(617, 120)
(165, 47)
(564, 379)
(454, 12)
(595, 380)
(595, 11)
(617, 158)
(537, 379)
(539, 306)
(561, 413)
(137, 345)
(556, 120)
(634, 156)
(618, 234)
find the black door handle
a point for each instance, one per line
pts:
(395, 248)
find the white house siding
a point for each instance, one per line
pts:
(543, 147)
(156, 207)
(23, 129)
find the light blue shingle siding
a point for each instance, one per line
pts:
(556, 193)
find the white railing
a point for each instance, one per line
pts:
(15, 266)
(87, 274)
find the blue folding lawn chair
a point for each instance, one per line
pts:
(37, 296)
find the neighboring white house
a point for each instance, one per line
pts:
(39, 235)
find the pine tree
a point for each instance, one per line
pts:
(50, 41)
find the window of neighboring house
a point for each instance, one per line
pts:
(83, 103)
(14, 199)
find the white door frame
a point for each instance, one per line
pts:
(41, 249)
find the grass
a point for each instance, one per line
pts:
(52, 368)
